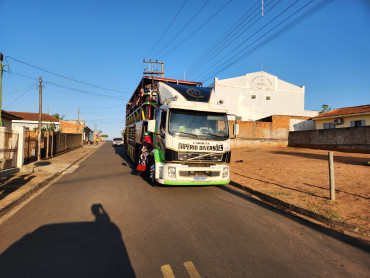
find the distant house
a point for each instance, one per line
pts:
(77, 127)
(7, 119)
(31, 120)
(258, 95)
(344, 117)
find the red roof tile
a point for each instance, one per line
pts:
(345, 111)
(33, 116)
(7, 115)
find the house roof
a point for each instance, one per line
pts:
(363, 109)
(26, 116)
(7, 115)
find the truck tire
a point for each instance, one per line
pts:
(152, 180)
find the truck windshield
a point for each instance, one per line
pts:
(198, 124)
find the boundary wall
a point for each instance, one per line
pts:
(351, 139)
(272, 131)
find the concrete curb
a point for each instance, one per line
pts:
(8, 207)
(334, 223)
(8, 172)
(25, 196)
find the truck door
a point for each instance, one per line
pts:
(161, 119)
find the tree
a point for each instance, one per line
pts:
(325, 108)
(60, 117)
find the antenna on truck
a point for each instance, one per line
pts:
(154, 68)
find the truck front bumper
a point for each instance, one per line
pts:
(179, 174)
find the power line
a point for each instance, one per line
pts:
(69, 88)
(182, 29)
(241, 51)
(107, 107)
(22, 75)
(222, 38)
(79, 90)
(168, 27)
(10, 93)
(245, 30)
(200, 27)
(21, 95)
(62, 76)
(284, 29)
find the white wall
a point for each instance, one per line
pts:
(31, 125)
(7, 123)
(285, 98)
(299, 125)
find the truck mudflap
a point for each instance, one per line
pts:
(178, 174)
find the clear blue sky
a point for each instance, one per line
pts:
(104, 42)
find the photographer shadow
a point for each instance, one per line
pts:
(77, 249)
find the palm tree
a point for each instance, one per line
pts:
(56, 115)
(325, 108)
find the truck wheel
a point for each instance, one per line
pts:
(152, 180)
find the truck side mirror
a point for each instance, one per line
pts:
(151, 126)
(236, 129)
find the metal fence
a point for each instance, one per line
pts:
(30, 146)
(8, 148)
(51, 144)
(63, 142)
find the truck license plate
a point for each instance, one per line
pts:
(200, 179)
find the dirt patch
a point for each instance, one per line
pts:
(301, 177)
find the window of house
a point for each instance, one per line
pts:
(329, 125)
(253, 96)
(268, 98)
(358, 123)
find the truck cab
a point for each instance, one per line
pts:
(191, 137)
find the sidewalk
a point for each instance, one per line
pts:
(33, 176)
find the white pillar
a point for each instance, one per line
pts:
(2, 144)
(21, 141)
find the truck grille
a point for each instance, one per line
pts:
(189, 156)
(199, 173)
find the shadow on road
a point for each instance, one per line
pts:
(81, 249)
(358, 243)
(126, 160)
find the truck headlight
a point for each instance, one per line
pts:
(225, 172)
(172, 172)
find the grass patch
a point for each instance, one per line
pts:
(332, 213)
(312, 208)
(361, 218)
(281, 194)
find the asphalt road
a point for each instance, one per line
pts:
(102, 220)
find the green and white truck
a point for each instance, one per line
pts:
(189, 128)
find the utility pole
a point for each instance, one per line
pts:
(1, 82)
(151, 70)
(40, 120)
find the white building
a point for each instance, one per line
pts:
(30, 120)
(259, 94)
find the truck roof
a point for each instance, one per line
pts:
(151, 79)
